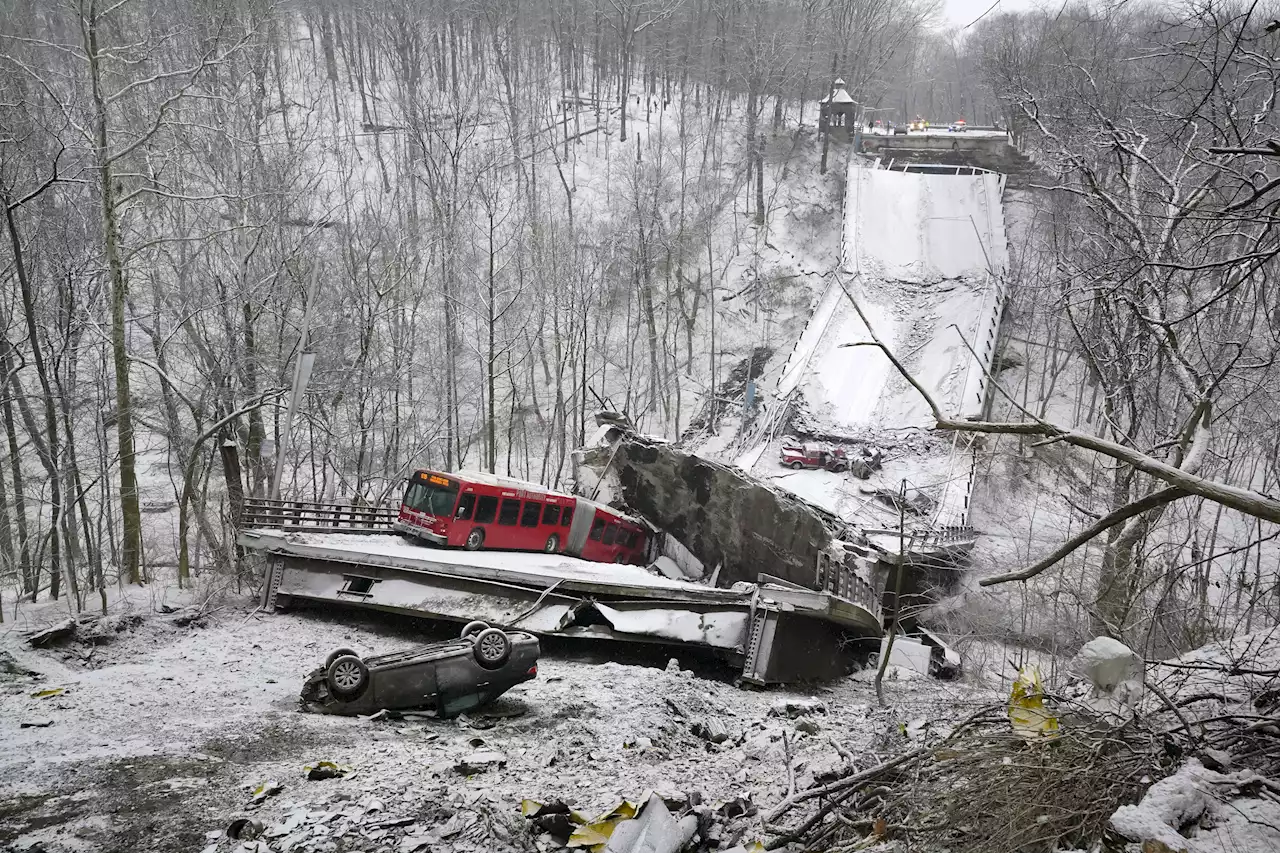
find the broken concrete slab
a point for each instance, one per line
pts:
(711, 729)
(723, 516)
(480, 762)
(797, 707)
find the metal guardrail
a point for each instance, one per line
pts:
(844, 581)
(316, 517)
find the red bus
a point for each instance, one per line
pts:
(473, 511)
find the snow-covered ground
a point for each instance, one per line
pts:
(160, 733)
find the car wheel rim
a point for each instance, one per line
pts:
(551, 544)
(491, 648)
(347, 676)
(474, 540)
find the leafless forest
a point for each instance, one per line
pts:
(488, 221)
(467, 228)
(485, 264)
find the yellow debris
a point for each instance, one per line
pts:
(1030, 718)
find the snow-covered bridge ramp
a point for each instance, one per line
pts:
(924, 254)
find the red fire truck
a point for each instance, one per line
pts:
(473, 511)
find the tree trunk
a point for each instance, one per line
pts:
(48, 448)
(235, 500)
(131, 516)
(30, 580)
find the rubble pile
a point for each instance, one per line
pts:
(610, 757)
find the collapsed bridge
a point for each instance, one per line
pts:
(775, 630)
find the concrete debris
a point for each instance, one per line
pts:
(712, 729)
(740, 806)
(260, 793)
(797, 707)
(460, 822)
(481, 761)
(808, 726)
(720, 514)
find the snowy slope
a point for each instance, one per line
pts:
(922, 255)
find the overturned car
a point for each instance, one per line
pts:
(449, 677)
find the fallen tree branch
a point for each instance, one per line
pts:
(1124, 513)
(849, 784)
(1244, 500)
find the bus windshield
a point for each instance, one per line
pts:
(431, 499)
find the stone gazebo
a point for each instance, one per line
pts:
(837, 108)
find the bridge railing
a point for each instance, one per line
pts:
(316, 517)
(843, 580)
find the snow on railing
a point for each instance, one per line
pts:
(316, 517)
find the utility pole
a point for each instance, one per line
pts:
(897, 592)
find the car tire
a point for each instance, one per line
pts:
(347, 678)
(797, 465)
(553, 544)
(475, 539)
(337, 653)
(492, 648)
(473, 628)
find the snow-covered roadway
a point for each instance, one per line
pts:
(923, 255)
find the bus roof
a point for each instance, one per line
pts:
(494, 480)
(487, 479)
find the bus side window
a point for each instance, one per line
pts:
(566, 517)
(465, 505)
(509, 513)
(632, 537)
(611, 534)
(531, 513)
(597, 528)
(551, 514)
(486, 509)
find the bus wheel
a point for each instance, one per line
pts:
(553, 544)
(475, 539)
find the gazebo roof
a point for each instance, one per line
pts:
(839, 96)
